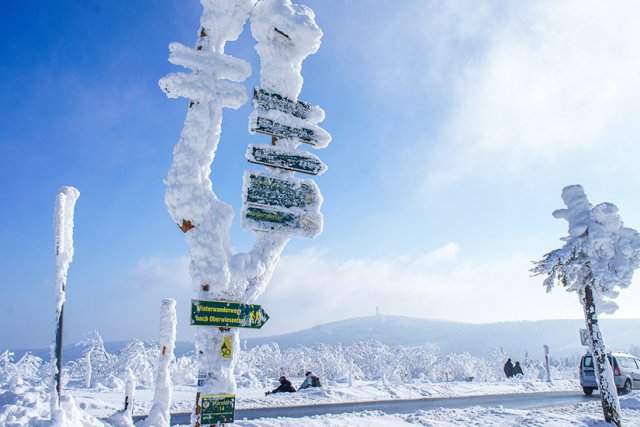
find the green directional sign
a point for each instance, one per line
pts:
(280, 130)
(218, 408)
(269, 219)
(262, 189)
(229, 314)
(288, 159)
(265, 100)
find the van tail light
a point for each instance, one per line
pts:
(580, 367)
(616, 371)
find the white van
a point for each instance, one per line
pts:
(626, 372)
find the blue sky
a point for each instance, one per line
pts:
(455, 126)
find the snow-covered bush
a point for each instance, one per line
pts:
(28, 368)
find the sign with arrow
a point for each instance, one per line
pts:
(264, 100)
(228, 314)
(287, 159)
(272, 127)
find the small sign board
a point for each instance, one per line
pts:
(584, 337)
(264, 100)
(218, 408)
(287, 159)
(228, 314)
(268, 219)
(268, 190)
(312, 135)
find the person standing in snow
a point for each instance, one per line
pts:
(310, 380)
(508, 368)
(517, 370)
(284, 387)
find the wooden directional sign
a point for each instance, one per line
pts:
(262, 189)
(263, 100)
(288, 159)
(280, 130)
(230, 314)
(270, 219)
(218, 408)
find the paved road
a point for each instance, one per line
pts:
(398, 406)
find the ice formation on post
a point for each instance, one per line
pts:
(597, 260)
(63, 230)
(286, 34)
(159, 414)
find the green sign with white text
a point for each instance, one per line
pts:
(218, 409)
(229, 314)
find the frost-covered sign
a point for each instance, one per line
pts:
(287, 159)
(584, 337)
(278, 205)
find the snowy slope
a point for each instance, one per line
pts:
(514, 337)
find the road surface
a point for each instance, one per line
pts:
(401, 406)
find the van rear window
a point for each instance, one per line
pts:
(587, 361)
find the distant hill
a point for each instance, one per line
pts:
(515, 338)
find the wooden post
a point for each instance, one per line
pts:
(58, 351)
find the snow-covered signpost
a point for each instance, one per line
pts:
(597, 260)
(63, 229)
(277, 205)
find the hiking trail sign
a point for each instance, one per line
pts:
(218, 409)
(227, 314)
(269, 190)
(287, 159)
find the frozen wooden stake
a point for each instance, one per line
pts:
(546, 362)
(63, 229)
(159, 414)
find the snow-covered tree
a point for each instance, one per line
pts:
(100, 366)
(597, 260)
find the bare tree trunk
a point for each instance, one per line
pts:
(604, 370)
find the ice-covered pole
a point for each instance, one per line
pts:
(597, 260)
(546, 362)
(129, 394)
(159, 415)
(63, 231)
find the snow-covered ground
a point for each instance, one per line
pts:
(22, 404)
(103, 402)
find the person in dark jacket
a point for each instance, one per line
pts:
(508, 368)
(285, 387)
(517, 369)
(310, 380)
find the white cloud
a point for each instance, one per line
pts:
(555, 78)
(312, 287)
(162, 273)
(527, 88)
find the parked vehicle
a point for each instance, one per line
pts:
(626, 372)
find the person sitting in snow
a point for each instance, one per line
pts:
(517, 370)
(285, 386)
(508, 368)
(310, 380)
